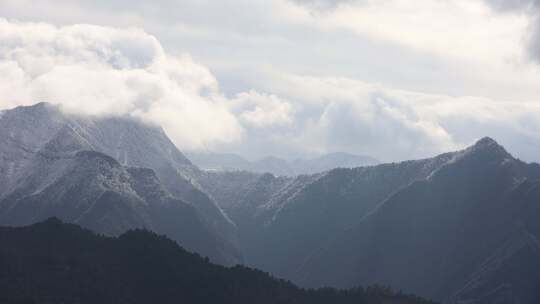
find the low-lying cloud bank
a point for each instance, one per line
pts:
(96, 70)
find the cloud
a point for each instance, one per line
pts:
(291, 111)
(323, 4)
(343, 114)
(531, 8)
(462, 29)
(513, 5)
(461, 47)
(98, 70)
(262, 110)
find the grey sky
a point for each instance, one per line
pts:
(393, 79)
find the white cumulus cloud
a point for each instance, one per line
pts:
(262, 110)
(344, 114)
(99, 70)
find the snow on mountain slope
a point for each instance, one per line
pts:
(27, 134)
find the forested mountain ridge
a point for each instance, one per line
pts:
(53, 262)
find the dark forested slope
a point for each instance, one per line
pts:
(53, 262)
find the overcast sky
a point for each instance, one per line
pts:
(392, 79)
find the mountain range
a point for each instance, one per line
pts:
(460, 227)
(212, 161)
(109, 174)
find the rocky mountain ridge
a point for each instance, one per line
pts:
(51, 156)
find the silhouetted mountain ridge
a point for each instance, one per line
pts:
(53, 262)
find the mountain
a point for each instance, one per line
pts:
(510, 275)
(464, 232)
(331, 161)
(282, 220)
(273, 165)
(211, 161)
(70, 166)
(460, 227)
(53, 262)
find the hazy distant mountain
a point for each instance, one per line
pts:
(218, 161)
(461, 226)
(331, 161)
(280, 167)
(65, 165)
(52, 262)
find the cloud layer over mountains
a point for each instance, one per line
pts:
(294, 78)
(98, 70)
(106, 71)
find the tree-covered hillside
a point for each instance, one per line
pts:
(53, 262)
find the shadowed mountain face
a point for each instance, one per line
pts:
(282, 221)
(89, 171)
(52, 262)
(451, 236)
(452, 228)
